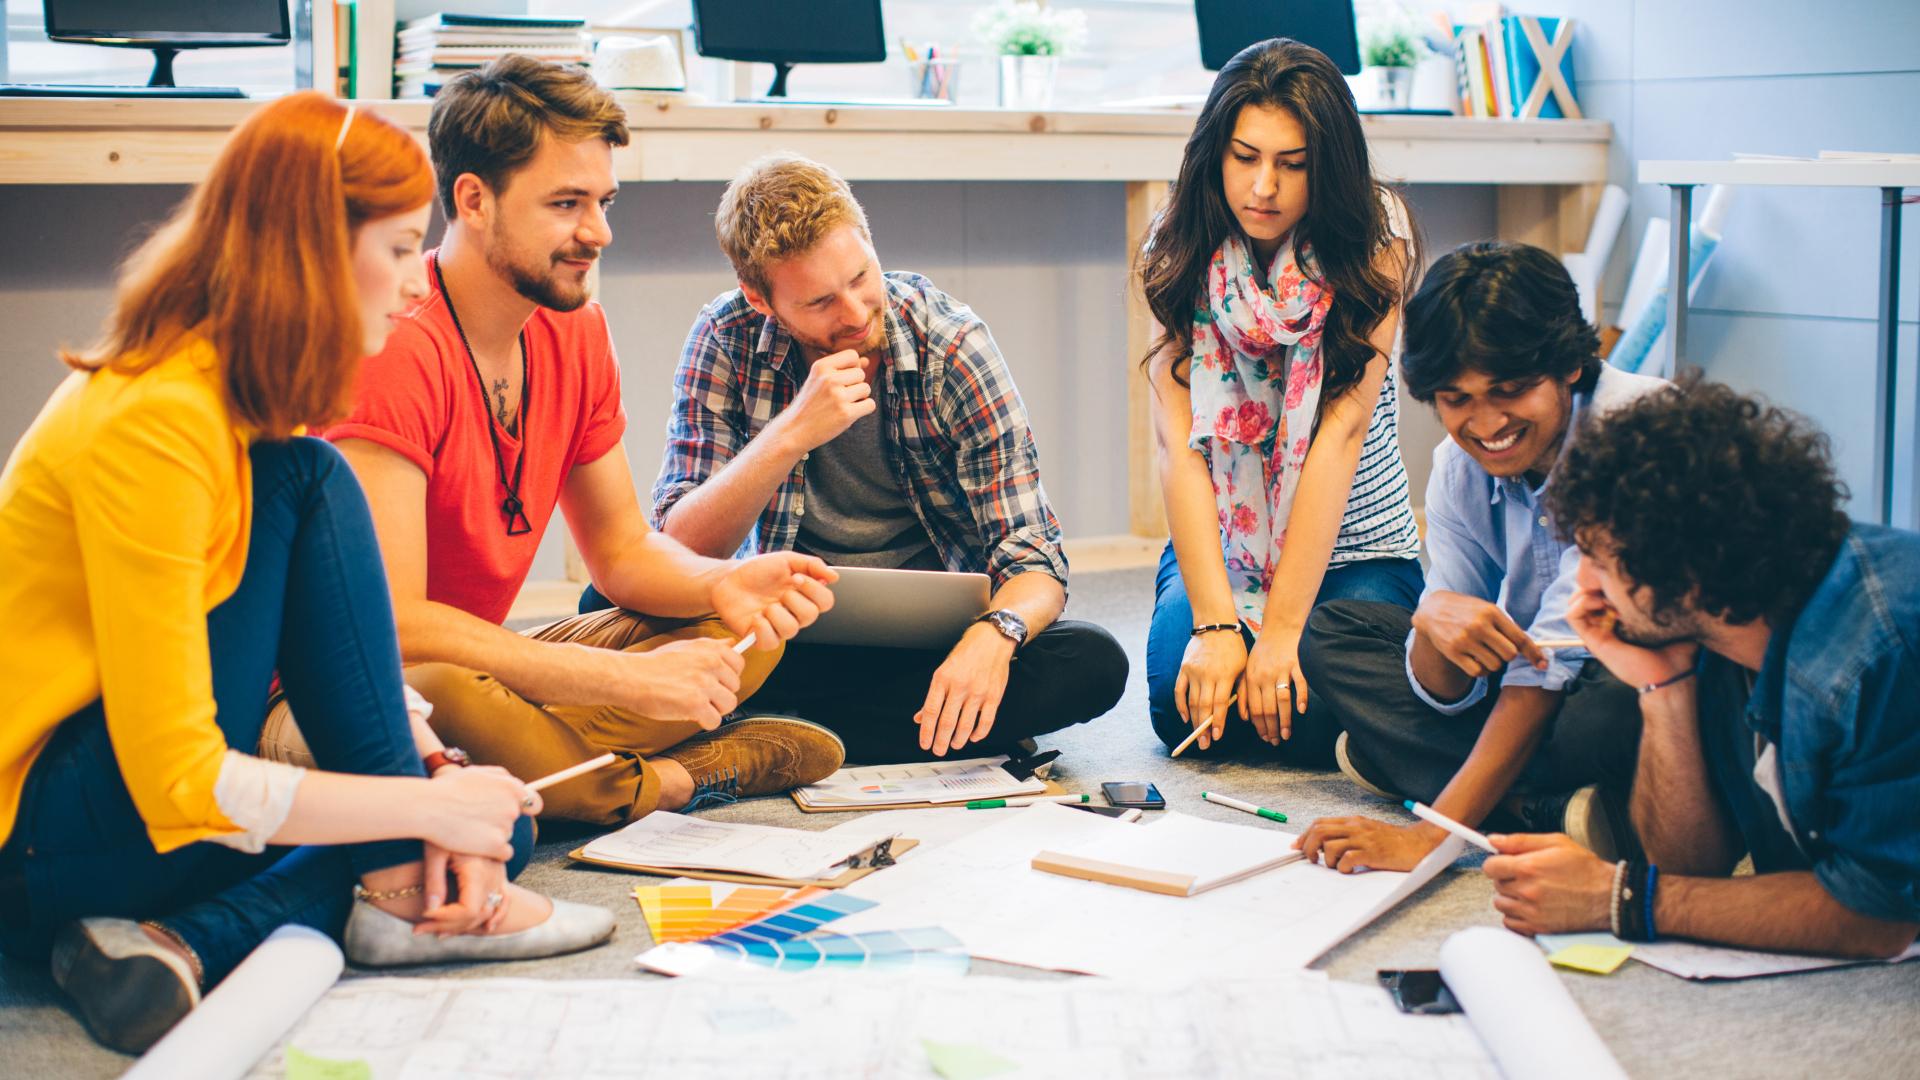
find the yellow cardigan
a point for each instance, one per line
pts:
(124, 516)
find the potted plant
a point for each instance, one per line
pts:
(1029, 39)
(1392, 54)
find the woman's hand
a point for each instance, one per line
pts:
(1273, 687)
(1213, 662)
(471, 812)
(476, 881)
(1347, 844)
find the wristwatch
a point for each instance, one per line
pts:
(1011, 626)
(448, 755)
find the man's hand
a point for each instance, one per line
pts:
(835, 395)
(1593, 619)
(1547, 884)
(697, 679)
(965, 693)
(1347, 844)
(772, 596)
(1211, 666)
(1273, 663)
(1472, 634)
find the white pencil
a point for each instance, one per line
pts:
(600, 762)
(1560, 643)
(744, 644)
(1427, 813)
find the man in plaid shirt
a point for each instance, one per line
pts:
(868, 418)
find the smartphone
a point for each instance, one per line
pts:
(1419, 990)
(1140, 793)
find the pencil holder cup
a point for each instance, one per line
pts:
(935, 80)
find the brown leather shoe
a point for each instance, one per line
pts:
(756, 755)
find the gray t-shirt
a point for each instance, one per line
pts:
(856, 512)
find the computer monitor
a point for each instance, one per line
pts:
(788, 32)
(167, 26)
(1227, 26)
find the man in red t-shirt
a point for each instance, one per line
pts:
(498, 399)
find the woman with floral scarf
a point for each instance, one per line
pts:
(1276, 273)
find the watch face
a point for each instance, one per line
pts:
(456, 756)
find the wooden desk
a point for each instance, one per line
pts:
(1548, 173)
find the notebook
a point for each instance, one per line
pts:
(926, 783)
(1177, 855)
(678, 842)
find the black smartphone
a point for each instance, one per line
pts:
(1419, 990)
(1140, 793)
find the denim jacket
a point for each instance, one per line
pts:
(1838, 695)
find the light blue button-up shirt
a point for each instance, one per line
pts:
(1493, 538)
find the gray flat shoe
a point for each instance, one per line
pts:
(129, 990)
(377, 939)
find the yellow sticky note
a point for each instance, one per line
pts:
(304, 1066)
(964, 1061)
(1598, 959)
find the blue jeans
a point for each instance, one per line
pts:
(312, 604)
(1394, 581)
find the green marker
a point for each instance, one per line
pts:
(1270, 815)
(995, 804)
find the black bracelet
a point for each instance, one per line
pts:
(1664, 683)
(1211, 627)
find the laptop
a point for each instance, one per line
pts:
(902, 609)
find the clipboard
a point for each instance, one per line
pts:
(1053, 788)
(878, 857)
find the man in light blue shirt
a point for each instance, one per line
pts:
(1481, 702)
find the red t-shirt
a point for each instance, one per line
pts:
(420, 398)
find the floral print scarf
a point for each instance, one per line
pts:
(1255, 385)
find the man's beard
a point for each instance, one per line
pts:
(1656, 632)
(871, 345)
(542, 290)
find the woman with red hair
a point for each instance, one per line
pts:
(175, 542)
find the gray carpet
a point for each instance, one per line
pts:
(1848, 1022)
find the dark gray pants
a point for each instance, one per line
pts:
(1355, 661)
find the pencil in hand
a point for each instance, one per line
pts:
(1198, 728)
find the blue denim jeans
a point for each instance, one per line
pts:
(1394, 581)
(312, 604)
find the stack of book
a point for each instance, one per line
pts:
(438, 47)
(1497, 65)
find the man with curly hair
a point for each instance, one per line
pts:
(1478, 702)
(1776, 651)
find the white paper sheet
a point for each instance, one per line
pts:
(249, 1011)
(1523, 1014)
(984, 889)
(833, 1026)
(1693, 960)
(686, 843)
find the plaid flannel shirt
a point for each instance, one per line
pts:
(956, 434)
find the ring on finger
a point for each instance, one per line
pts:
(526, 803)
(495, 899)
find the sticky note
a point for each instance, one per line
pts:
(964, 1061)
(1598, 959)
(304, 1066)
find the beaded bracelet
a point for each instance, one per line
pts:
(1619, 873)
